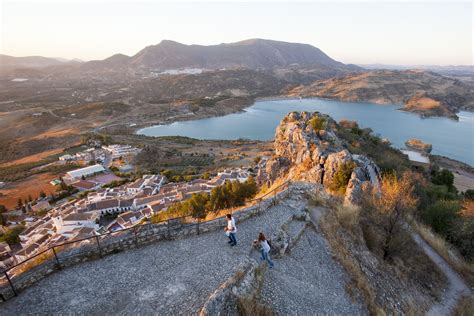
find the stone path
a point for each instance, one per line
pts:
(307, 281)
(177, 277)
(172, 277)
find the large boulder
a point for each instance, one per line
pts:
(307, 148)
(333, 163)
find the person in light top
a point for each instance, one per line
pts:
(231, 230)
(264, 249)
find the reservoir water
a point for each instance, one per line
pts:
(454, 139)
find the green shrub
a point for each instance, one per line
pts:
(11, 236)
(342, 177)
(461, 235)
(443, 177)
(441, 215)
(469, 194)
(317, 123)
(228, 195)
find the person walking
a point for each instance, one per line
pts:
(265, 249)
(231, 230)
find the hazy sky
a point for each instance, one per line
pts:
(351, 32)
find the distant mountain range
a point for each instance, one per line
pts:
(451, 70)
(27, 62)
(251, 54)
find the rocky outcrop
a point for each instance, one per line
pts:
(418, 145)
(307, 149)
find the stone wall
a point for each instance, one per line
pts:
(95, 248)
(244, 284)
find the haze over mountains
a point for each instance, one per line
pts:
(252, 54)
(171, 71)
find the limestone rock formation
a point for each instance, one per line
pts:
(308, 149)
(418, 145)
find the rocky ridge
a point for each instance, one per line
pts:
(422, 92)
(308, 149)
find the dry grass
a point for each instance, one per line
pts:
(423, 103)
(465, 307)
(30, 186)
(408, 264)
(445, 250)
(249, 306)
(60, 132)
(264, 190)
(348, 216)
(32, 158)
(330, 227)
(343, 256)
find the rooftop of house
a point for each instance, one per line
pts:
(104, 204)
(82, 233)
(4, 247)
(85, 171)
(84, 184)
(137, 184)
(416, 156)
(28, 250)
(40, 205)
(80, 217)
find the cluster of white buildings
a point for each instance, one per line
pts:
(85, 157)
(99, 155)
(117, 151)
(132, 203)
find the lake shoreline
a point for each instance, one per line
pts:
(258, 121)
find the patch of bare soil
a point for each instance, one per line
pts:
(31, 186)
(32, 158)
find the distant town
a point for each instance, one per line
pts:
(95, 200)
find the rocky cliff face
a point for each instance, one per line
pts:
(307, 149)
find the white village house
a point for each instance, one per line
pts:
(84, 172)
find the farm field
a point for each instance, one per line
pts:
(32, 185)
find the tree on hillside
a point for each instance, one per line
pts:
(443, 177)
(469, 195)
(389, 206)
(3, 218)
(11, 236)
(19, 203)
(198, 204)
(218, 199)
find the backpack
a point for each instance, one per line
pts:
(269, 243)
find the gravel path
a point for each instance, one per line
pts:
(457, 287)
(172, 277)
(307, 281)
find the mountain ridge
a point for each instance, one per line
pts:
(252, 53)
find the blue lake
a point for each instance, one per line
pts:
(454, 139)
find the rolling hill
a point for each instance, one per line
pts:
(423, 92)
